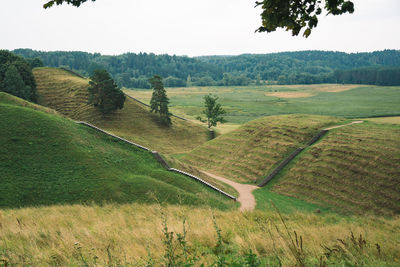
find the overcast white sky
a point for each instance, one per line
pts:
(187, 27)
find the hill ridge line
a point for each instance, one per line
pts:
(158, 157)
(294, 154)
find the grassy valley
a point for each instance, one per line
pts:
(246, 103)
(250, 152)
(100, 202)
(47, 159)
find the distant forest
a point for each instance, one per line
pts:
(304, 67)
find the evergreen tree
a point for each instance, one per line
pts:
(159, 100)
(104, 94)
(13, 83)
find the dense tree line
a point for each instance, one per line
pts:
(16, 75)
(379, 76)
(303, 67)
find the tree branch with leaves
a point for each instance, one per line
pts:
(292, 15)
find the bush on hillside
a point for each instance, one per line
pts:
(16, 76)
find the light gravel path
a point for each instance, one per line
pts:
(246, 198)
(338, 126)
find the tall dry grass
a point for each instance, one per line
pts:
(133, 234)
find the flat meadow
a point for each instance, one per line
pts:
(245, 103)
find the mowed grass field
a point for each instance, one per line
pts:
(247, 103)
(250, 152)
(47, 159)
(132, 235)
(354, 169)
(68, 94)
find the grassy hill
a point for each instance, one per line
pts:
(251, 151)
(67, 93)
(48, 159)
(355, 169)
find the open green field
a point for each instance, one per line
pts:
(47, 159)
(68, 94)
(247, 103)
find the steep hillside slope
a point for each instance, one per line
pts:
(354, 169)
(47, 159)
(67, 93)
(248, 153)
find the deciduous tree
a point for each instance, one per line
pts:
(213, 111)
(13, 83)
(295, 15)
(13, 70)
(104, 94)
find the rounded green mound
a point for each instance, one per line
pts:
(46, 159)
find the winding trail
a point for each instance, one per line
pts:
(338, 126)
(246, 198)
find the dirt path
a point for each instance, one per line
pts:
(246, 198)
(338, 126)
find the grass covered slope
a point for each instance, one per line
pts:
(251, 151)
(68, 94)
(355, 169)
(47, 159)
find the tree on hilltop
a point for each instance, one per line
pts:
(104, 94)
(159, 100)
(213, 111)
(292, 15)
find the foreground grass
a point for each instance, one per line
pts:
(68, 94)
(354, 169)
(250, 152)
(248, 103)
(46, 159)
(126, 235)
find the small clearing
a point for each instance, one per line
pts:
(290, 94)
(246, 198)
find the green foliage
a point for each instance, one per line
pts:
(13, 83)
(387, 76)
(16, 76)
(76, 3)
(104, 94)
(303, 67)
(294, 15)
(47, 159)
(159, 100)
(213, 111)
